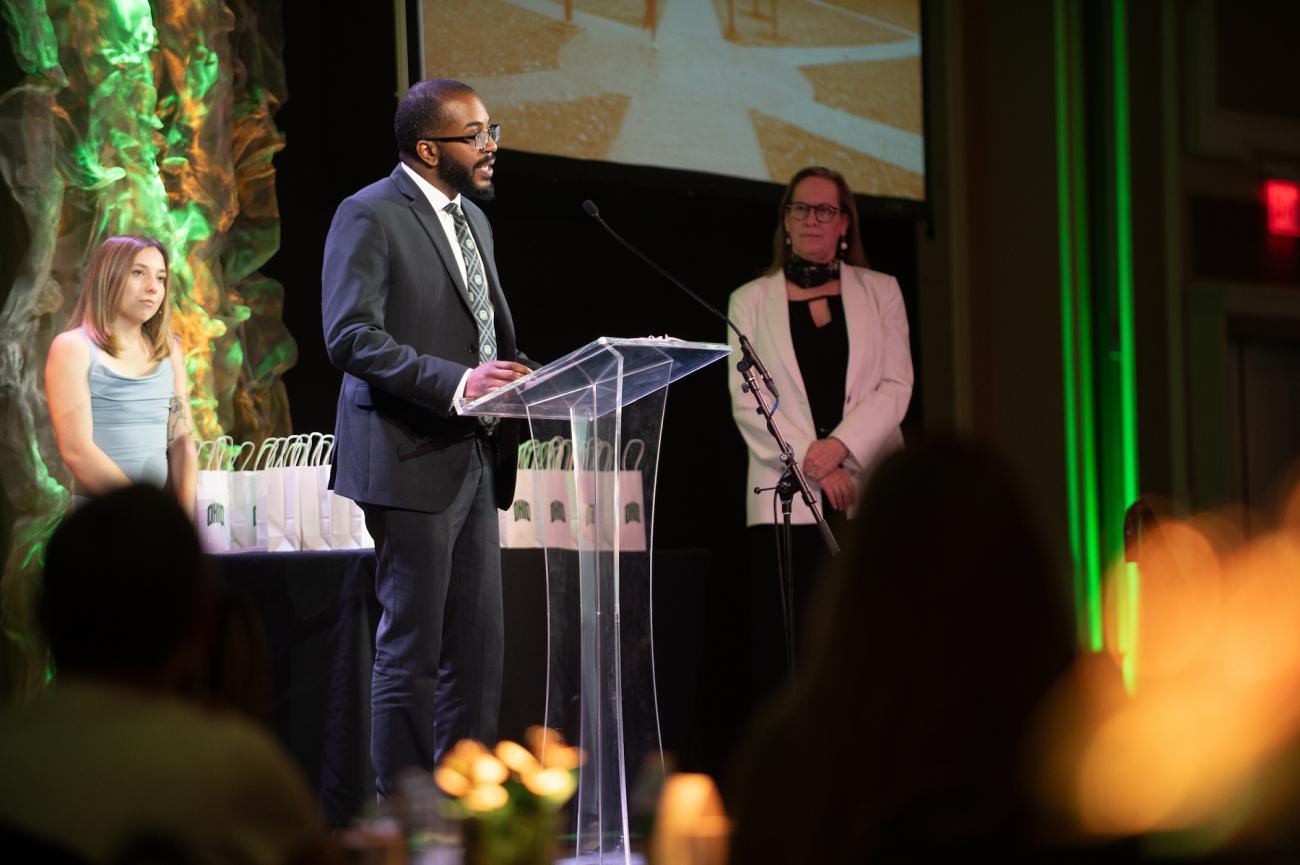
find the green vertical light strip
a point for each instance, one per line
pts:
(1128, 620)
(1076, 331)
(1124, 252)
(1083, 297)
(1069, 360)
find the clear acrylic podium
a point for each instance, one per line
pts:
(607, 398)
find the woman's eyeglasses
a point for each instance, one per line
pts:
(799, 210)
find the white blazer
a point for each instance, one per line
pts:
(877, 387)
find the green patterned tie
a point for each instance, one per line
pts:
(476, 282)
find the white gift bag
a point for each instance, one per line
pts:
(341, 537)
(212, 496)
(266, 457)
(360, 534)
(593, 488)
(523, 531)
(555, 496)
(340, 508)
(242, 513)
(631, 498)
(313, 507)
(277, 498)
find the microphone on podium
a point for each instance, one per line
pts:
(793, 480)
(594, 212)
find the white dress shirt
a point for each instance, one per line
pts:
(439, 201)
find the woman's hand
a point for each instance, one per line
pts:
(824, 456)
(840, 489)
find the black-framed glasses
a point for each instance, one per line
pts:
(478, 139)
(799, 210)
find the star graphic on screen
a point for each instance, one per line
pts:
(691, 91)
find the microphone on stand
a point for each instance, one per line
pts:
(745, 346)
(793, 480)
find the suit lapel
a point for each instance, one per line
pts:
(428, 220)
(856, 299)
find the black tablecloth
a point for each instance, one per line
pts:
(320, 613)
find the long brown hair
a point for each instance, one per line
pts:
(101, 295)
(781, 250)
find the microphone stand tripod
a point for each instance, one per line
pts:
(792, 479)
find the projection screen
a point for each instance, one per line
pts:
(746, 88)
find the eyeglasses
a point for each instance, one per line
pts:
(478, 139)
(799, 210)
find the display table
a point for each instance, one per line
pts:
(320, 614)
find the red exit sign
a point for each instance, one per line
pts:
(1283, 200)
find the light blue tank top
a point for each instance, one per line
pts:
(129, 417)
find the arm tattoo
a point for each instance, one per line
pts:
(178, 423)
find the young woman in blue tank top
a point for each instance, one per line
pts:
(116, 382)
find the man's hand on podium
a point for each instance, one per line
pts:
(492, 375)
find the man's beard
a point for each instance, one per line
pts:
(461, 179)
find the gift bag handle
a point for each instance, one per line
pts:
(543, 455)
(301, 451)
(225, 446)
(583, 456)
(239, 452)
(640, 454)
(527, 453)
(316, 442)
(561, 450)
(198, 451)
(267, 453)
(288, 454)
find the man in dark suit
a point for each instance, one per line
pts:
(414, 315)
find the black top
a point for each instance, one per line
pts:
(823, 356)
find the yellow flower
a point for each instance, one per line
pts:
(487, 769)
(451, 782)
(517, 758)
(551, 750)
(555, 785)
(540, 737)
(462, 756)
(487, 797)
(562, 758)
(476, 776)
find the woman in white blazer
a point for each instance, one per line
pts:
(833, 335)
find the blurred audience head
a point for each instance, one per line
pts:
(946, 587)
(937, 635)
(125, 589)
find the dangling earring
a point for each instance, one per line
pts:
(844, 245)
(787, 240)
